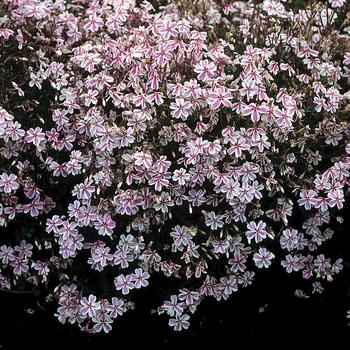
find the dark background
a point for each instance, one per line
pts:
(265, 315)
(287, 323)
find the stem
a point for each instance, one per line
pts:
(15, 291)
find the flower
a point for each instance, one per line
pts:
(180, 322)
(93, 24)
(124, 283)
(292, 263)
(116, 307)
(102, 322)
(6, 254)
(254, 111)
(219, 96)
(205, 69)
(263, 258)
(181, 235)
(105, 225)
(188, 296)
(214, 221)
(35, 80)
(24, 250)
(173, 307)
(169, 142)
(256, 231)
(307, 199)
(35, 136)
(140, 278)
(19, 266)
(289, 239)
(180, 176)
(8, 183)
(89, 306)
(180, 108)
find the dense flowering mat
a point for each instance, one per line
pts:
(196, 140)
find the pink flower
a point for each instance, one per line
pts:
(180, 176)
(141, 100)
(163, 55)
(231, 189)
(100, 257)
(20, 266)
(256, 231)
(24, 250)
(41, 267)
(93, 24)
(90, 97)
(6, 254)
(292, 263)
(214, 221)
(335, 198)
(180, 235)
(307, 199)
(163, 202)
(180, 108)
(220, 246)
(89, 306)
(34, 208)
(205, 69)
(167, 29)
(124, 137)
(68, 229)
(219, 96)
(347, 56)
(35, 80)
(173, 307)
(337, 3)
(105, 225)
(116, 307)
(289, 239)
(263, 258)
(143, 159)
(35, 136)
(140, 278)
(6, 33)
(192, 89)
(102, 322)
(238, 145)
(237, 262)
(159, 181)
(189, 297)
(8, 183)
(124, 283)
(254, 111)
(14, 131)
(196, 198)
(179, 322)
(84, 190)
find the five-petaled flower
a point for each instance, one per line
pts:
(256, 231)
(89, 306)
(263, 258)
(180, 322)
(8, 183)
(148, 143)
(124, 283)
(219, 96)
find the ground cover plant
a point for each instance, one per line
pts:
(193, 142)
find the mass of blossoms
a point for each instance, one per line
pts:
(198, 142)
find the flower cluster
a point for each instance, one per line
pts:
(195, 141)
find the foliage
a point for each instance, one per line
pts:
(200, 141)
